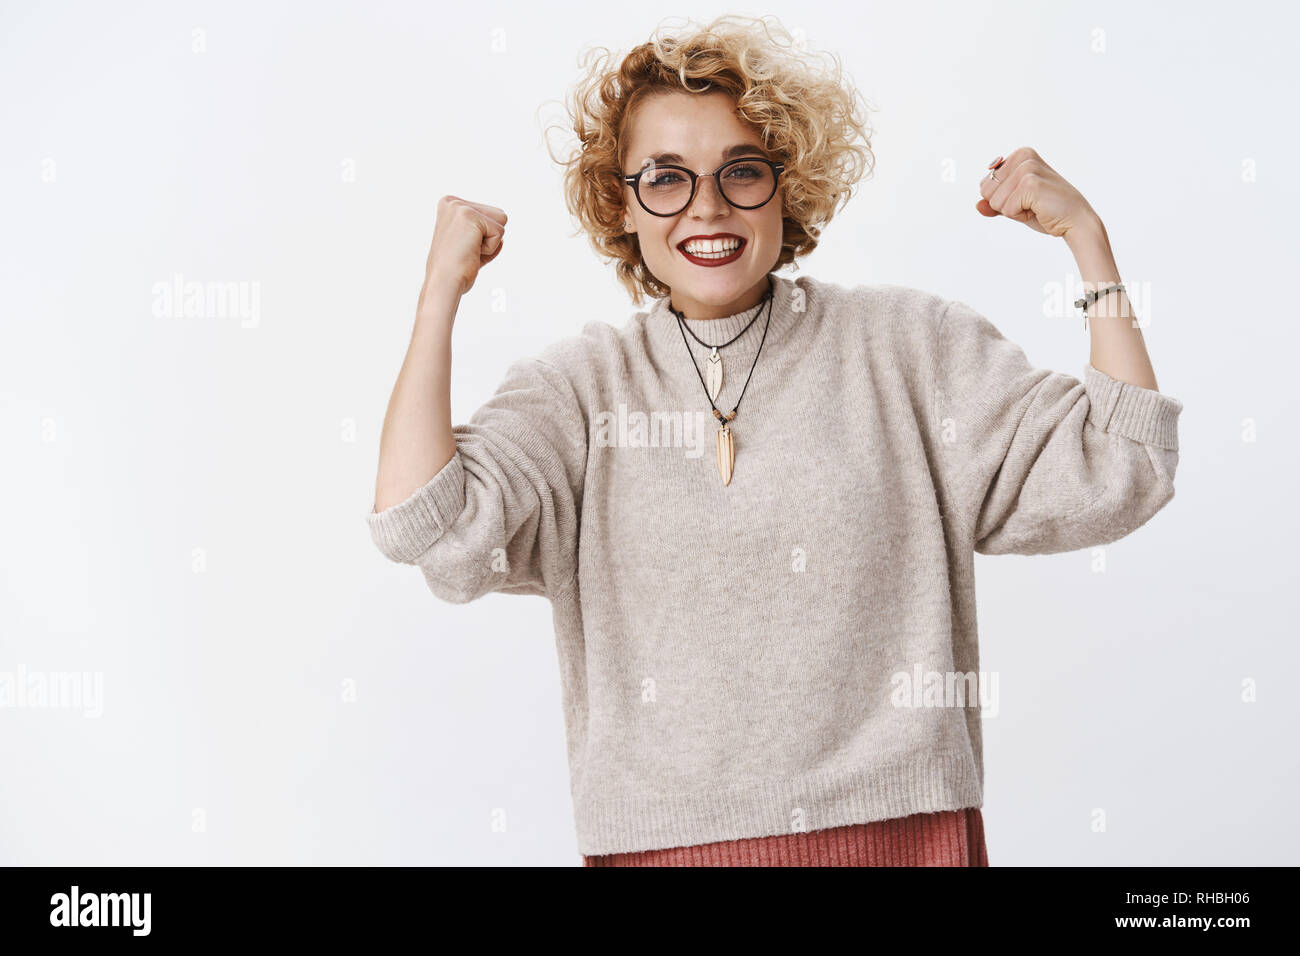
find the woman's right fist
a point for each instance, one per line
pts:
(466, 237)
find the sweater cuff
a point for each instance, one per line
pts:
(406, 530)
(1142, 414)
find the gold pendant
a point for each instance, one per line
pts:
(726, 454)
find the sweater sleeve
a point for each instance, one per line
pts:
(1037, 461)
(502, 514)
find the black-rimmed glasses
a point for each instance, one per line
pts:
(667, 190)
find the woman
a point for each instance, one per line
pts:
(754, 507)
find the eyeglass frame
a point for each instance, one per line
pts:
(634, 181)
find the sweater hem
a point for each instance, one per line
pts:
(813, 801)
(1141, 414)
(409, 528)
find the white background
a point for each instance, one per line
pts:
(131, 440)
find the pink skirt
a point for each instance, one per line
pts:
(946, 838)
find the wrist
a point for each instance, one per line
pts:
(1092, 253)
(439, 300)
(1089, 233)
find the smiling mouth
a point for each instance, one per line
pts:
(707, 256)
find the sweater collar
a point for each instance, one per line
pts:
(666, 337)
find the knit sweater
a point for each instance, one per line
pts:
(740, 660)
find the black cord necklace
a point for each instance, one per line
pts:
(726, 443)
(714, 365)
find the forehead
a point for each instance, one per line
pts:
(699, 127)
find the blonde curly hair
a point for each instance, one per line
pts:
(806, 116)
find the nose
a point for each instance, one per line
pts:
(708, 200)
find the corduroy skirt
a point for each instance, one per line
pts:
(946, 838)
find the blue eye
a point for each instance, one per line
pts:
(663, 179)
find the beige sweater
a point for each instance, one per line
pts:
(740, 661)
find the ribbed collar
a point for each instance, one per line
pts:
(665, 337)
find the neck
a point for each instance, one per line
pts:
(695, 310)
(788, 311)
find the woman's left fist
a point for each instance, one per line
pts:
(1034, 193)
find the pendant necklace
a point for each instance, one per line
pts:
(726, 443)
(713, 367)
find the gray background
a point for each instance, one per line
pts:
(301, 151)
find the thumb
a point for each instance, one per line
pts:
(985, 209)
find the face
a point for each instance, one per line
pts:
(701, 129)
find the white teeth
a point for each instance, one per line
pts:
(712, 248)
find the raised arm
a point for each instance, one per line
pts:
(416, 440)
(1036, 461)
(491, 505)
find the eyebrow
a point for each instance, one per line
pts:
(731, 152)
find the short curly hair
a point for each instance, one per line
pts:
(807, 116)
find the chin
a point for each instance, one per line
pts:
(723, 283)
